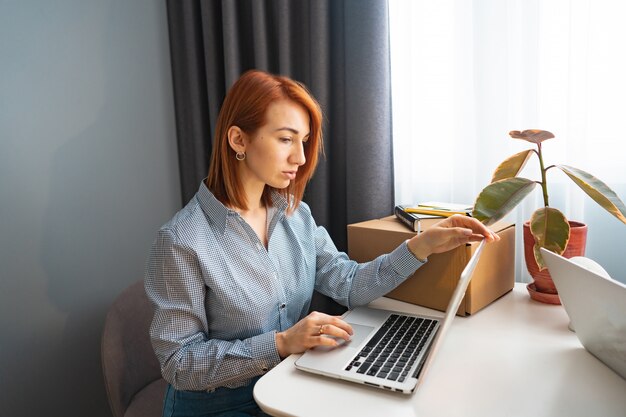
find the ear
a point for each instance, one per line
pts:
(237, 139)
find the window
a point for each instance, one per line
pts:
(465, 73)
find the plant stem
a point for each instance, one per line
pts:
(544, 184)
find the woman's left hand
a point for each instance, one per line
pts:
(448, 234)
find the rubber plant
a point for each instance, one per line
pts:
(548, 225)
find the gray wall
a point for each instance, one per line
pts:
(88, 172)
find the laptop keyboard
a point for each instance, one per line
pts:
(395, 347)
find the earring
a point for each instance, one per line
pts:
(240, 156)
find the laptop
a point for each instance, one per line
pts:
(388, 350)
(595, 304)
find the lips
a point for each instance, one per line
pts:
(290, 174)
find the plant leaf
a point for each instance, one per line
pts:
(550, 229)
(597, 190)
(500, 197)
(531, 135)
(511, 166)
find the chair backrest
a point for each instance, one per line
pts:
(128, 361)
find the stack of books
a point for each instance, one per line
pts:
(410, 215)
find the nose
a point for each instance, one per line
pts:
(297, 156)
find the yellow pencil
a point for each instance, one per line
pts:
(443, 213)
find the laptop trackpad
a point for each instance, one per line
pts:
(360, 334)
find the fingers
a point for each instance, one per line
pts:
(341, 324)
(327, 330)
(462, 236)
(478, 230)
(333, 326)
(324, 330)
(456, 236)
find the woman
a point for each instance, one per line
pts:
(232, 274)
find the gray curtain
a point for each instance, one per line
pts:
(338, 48)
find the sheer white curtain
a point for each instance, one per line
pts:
(465, 73)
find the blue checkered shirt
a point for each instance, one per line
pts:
(220, 296)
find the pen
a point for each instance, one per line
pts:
(444, 213)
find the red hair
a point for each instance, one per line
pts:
(245, 106)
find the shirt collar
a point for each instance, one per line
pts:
(279, 202)
(214, 210)
(217, 213)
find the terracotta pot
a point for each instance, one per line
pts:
(543, 289)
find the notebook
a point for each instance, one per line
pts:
(388, 350)
(595, 304)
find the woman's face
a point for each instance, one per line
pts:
(276, 150)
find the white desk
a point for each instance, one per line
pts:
(516, 357)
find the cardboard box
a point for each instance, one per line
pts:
(432, 284)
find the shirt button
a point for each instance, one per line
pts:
(283, 305)
(264, 369)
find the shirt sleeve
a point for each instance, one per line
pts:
(352, 284)
(190, 359)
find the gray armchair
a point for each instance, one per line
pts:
(132, 376)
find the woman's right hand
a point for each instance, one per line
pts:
(313, 330)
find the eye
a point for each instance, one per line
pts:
(286, 139)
